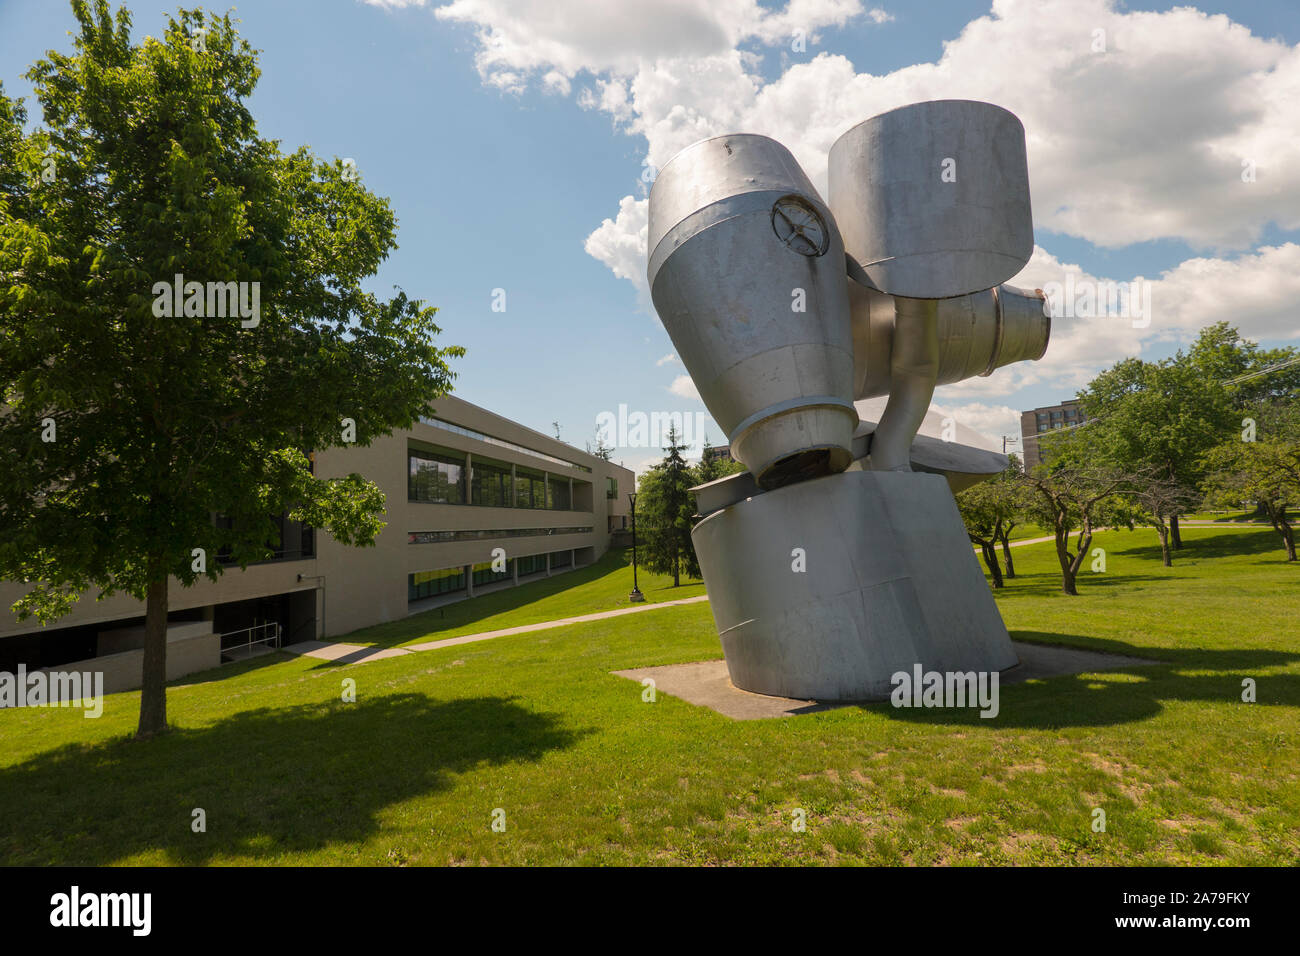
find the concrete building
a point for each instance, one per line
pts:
(1048, 418)
(459, 486)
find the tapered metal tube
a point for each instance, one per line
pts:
(978, 334)
(746, 271)
(914, 368)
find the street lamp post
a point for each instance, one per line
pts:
(636, 594)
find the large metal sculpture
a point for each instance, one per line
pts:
(839, 558)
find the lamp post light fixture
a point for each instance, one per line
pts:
(636, 594)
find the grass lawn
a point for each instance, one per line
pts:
(602, 586)
(587, 772)
(1230, 517)
(1022, 531)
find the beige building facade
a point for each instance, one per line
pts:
(474, 502)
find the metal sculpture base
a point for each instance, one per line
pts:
(888, 580)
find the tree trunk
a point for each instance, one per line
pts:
(1066, 561)
(1070, 569)
(1006, 554)
(1277, 515)
(1288, 538)
(1174, 536)
(991, 560)
(1067, 582)
(1164, 545)
(153, 689)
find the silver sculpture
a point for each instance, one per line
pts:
(840, 557)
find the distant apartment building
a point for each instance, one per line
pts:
(475, 502)
(718, 451)
(1041, 420)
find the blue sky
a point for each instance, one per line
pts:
(506, 134)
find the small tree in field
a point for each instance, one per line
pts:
(980, 508)
(135, 404)
(1160, 500)
(1071, 491)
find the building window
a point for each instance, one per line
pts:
(561, 559)
(427, 584)
(490, 485)
(483, 573)
(558, 498)
(611, 487)
(436, 477)
(532, 564)
(439, 537)
(530, 490)
(480, 436)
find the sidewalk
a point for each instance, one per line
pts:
(341, 653)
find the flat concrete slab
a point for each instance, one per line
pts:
(341, 653)
(707, 684)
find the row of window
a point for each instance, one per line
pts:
(437, 537)
(443, 479)
(429, 584)
(500, 442)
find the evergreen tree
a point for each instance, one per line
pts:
(664, 514)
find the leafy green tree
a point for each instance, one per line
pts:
(1263, 466)
(713, 466)
(981, 511)
(1073, 491)
(127, 425)
(1013, 499)
(1160, 500)
(664, 513)
(1162, 417)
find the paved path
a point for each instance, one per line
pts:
(342, 653)
(1074, 535)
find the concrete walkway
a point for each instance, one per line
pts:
(1074, 535)
(341, 653)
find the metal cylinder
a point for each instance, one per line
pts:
(746, 270)
(913, 371)
(977, 334)
(933, 198)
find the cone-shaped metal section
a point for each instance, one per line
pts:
(746, 271)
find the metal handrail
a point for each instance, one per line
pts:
(274, 639)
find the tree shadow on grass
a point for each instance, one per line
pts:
(1217, 545)
(271, 781)
(1099, 699)
(1039, 583)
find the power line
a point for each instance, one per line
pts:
(1263, 371)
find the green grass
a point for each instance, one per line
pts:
(1022, 531)
(1233, 517)
(601, 586)
(587, 772)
